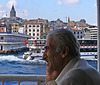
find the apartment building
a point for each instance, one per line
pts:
(91, 33)
(2, 28)
(34, 29)
(15, 28)
(79, 33)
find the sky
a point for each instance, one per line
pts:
(52, 9)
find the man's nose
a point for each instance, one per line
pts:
(44, 56)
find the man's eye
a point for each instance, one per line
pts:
(46, 47)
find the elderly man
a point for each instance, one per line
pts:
(64, 65)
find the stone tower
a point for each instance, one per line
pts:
(12, 12)
(68, 19)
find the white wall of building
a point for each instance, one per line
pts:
(79, 34)
(12, 41)
(34, 30)
(21, 30)
(93, 33)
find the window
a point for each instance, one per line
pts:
(1, 47)
(38, 42)
(42, 42)
(37, 25)
(29, 25)
(88, 50)
(81, 37)
(33, 34)
(33, 30)
(33, 25)
(37, 30)
(37, 34)
(1, 28)
(29, 30)
(2, 38)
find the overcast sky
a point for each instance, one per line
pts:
(52, 9)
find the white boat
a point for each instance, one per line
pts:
(35, 49)
(31, 55)
(35, 56)
(88, 49)
(35, 52)
(27, 54)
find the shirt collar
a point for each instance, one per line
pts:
(68, 67)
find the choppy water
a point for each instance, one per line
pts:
(14, 64)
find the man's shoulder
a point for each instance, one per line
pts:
(75, 72)
(76, 77)
(81, 77)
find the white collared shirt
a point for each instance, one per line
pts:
(69, 66)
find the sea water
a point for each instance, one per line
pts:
(15, 64)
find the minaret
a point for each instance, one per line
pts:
(12, 12)
(68, 19)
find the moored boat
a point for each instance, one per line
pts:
(31, 55)
(88, 49)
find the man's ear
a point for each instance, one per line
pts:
(65, 51)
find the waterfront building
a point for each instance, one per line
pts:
(12, 42)
(15, 28)
(21, 29)
(86, 34)
(91, 32)
(3, 28)
(79, 33)
(34, 29)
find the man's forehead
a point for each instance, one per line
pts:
(50, 41)
(47, 41)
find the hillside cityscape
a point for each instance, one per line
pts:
(38, 28)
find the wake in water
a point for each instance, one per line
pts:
(19, 59)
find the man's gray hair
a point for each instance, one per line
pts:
(64, 37)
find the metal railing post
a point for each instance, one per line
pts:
(18, 82)
(2, 82)
(98, 18)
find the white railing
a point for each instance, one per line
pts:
(40, 79)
